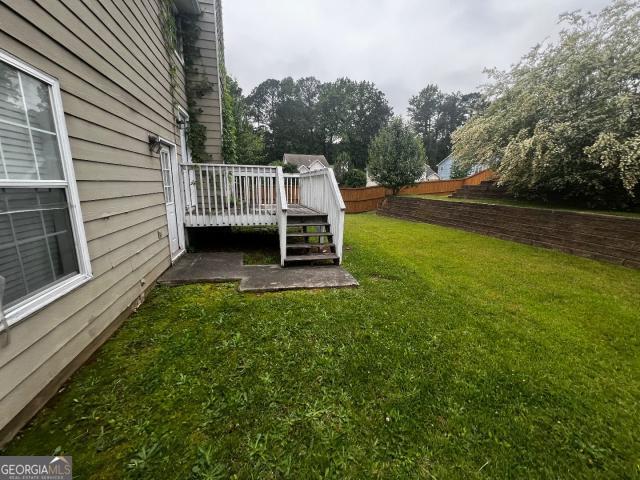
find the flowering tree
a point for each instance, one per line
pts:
(564, 123)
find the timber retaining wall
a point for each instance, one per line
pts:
(603, 237)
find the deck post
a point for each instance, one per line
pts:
(281, 213)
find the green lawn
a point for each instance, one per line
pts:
(460, 356)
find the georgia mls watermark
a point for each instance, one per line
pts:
(35, 468)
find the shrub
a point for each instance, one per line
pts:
(286, 167)
(354, 178)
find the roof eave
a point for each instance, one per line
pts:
(191, 7)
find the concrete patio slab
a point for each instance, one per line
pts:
(215, 267)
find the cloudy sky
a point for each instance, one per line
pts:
(400, 45)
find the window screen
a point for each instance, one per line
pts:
(36, 238)
(28, 140)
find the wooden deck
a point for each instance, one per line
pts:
(297, 210)
(252, 195)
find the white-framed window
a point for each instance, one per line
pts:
(43, 249)
(179, 51)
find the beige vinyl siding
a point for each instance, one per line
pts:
(208, 66)
(110, 60)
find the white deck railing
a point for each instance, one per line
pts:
(228, 195)
(233, 195)
(319, 190)
(292, 187)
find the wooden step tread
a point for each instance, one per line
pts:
(310, 245)
(311, 258)
(305, 215)
(315, 224)
(310, 234)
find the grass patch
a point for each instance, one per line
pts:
(460, 356)
(512, 202)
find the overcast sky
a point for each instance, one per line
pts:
(400, 45)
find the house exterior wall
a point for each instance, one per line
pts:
(210, 66)
(444, 168)
(112, 66)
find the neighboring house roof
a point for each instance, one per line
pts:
(304, 160)
(429, 171)
(429, 174)
(449, 157)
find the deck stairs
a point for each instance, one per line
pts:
(309, 237)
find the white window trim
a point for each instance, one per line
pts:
(40, 299)
(179, 54)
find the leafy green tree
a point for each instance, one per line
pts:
(332, 114)
(396, 156)
(564, 123)
(307, 116)
(229, 122)
(350, 114)
(284, 112)
(371, 111)
(355, 178)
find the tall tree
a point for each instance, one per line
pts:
(564, 123)
(350, 115)
(307, 116)
(229, 121)
(371, 112)
(436, 115)
(284, 111)
(333, 113)
(263, 102)
(423, 111)
(247, 143)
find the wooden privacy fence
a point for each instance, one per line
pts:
(366, 199)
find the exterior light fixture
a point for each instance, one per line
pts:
(154, 144)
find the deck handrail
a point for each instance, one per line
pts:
(230, 165)
(319, 190)
(281, 214)
(332, 183)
